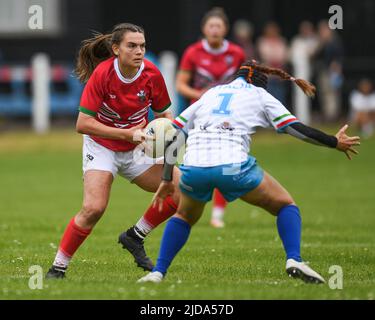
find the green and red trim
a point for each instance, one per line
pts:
(282, 117)
(284, 123)
(162, 109)
(87, 111)
(180, 121)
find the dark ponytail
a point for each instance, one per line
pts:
(248, 68)
(99, 48)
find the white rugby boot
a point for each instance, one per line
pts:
(302, 271)
(155, 277)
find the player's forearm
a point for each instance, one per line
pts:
(188, 92)
(166, 114)
(88, 125)
(170, 154)
(311, 135)
(169, 162)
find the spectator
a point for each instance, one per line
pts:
(273, 51)
(302, 48)
(329, 56)
(362, 104)
(242, 33)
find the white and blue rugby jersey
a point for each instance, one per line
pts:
(220, 123)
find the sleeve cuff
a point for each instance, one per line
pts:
(162, 109)
(282, 129)
(87, 111)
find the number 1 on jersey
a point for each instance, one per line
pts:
(224, 105)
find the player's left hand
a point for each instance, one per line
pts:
(346, 143)
(165, 189)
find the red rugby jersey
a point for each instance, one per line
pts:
(209, 66)
(123, 103)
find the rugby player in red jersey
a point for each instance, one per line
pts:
(122, 87)
(205, 64)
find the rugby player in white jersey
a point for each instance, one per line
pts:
(218, 128)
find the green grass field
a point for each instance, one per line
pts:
(41, 189)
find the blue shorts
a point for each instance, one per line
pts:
(233, 180)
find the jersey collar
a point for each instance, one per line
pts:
(220, 50)
(121, 77)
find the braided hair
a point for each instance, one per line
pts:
(255, 73)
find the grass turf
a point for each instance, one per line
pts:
(41, 189)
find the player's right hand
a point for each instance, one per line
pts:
(136, 135)
(346, 143)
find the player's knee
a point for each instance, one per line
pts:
(189, 218)
(273, 206)
(287, 201)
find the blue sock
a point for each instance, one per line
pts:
(289, 227)
(175, 236)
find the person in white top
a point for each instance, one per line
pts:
(301, 51)
(362, 104)
(218, 127)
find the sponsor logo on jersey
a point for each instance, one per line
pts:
(112, 96)
(225, 126)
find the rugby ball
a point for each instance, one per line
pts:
(162, 130)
